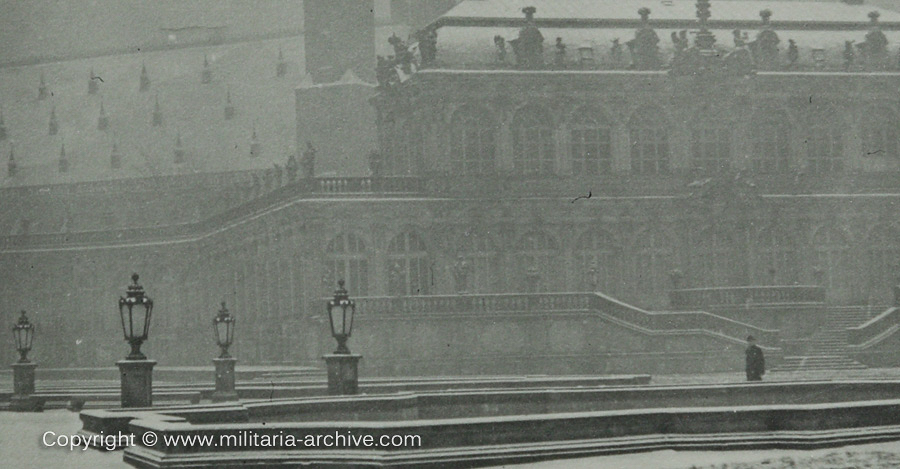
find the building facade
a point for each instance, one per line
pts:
(628, 167)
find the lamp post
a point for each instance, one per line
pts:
(136, 371)
(23, 369)
(342, 365)
(223, 326)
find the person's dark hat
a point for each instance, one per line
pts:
(751, 338)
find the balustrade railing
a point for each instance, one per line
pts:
(383, 307)
(876, 326)
(780, 294)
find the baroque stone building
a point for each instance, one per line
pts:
(614, 160)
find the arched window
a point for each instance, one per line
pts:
(880, 132)
(597, 261)
(475, 269)
(714, 259)
(591, 142)
(533, 141)
(771, 133)
(346, 259)
(473, 143)
(776, 257)
(711, 144)
(883, 261)
(538, 252)
(651, 262)
(833, 258)
(825, 142)
(408, 269)
(404, 144)
(649, 135)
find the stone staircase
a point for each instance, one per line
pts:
(826, 349)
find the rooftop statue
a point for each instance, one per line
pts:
(765, 47)
(644, 47)
(874, 48)
(529, 46)
(428, 46)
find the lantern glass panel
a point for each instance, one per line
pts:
(349, 310)
(337, 319)
(224, 333)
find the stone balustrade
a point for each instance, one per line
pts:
(756, 295)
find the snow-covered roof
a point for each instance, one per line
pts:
(247, 70)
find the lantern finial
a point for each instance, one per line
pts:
(135, 277)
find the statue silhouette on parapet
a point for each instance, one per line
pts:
(874, 48)
(309, 161)
(529, 46)
(500, 44)
(740, 60)
(615, 53)
(644, 47)
(765, 47)
(849, 55)
(291, 168)
(428, 46)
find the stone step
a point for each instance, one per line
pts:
(818, 362)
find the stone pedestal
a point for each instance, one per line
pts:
(224, 380)
(342, 373)
(137, 382)
(23, 388)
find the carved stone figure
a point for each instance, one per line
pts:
(291, 168)
(309, 161)
(529, 46)
(461, 270)
(500, 43)
(428, 46)
(615, 52)
(874, 48)
(849, 56)
(644, 47)
(793, 53)
(559, 55)
(765, 47)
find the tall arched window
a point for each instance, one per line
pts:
(408, 269)
(714, 259)
(475, 269)
(833, 257)
(771, 134)
(776, 257)
(651, 262)
(880, 132)
(346, 259)
(597, 261)
(403, 143)
(711, 144)
(473, 145)
(537, 256)
(591, 142)
(883, 260)
(825, 142)
(649, 135)
(533, 141)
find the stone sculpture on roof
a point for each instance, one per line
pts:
(529, 46)
(874, 48)
(644, 47)
(765, 47)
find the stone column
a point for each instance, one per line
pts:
(343, 376)
(224, 380)
(137, 382)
